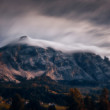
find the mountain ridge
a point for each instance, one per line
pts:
(30, 61)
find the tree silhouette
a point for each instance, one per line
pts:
(76, 100)
(104, 101)
(17, 103)
(52, 107)
(33, 105)
(89, 103)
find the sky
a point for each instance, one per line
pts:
(83, 24)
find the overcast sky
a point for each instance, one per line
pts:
(83, 23)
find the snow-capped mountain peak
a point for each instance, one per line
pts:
(23, 38)
(32, 60)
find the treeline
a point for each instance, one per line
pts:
(79, 102)
(18, 103)
(75, 101)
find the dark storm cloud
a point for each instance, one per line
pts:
(95, 10)
(82, 23)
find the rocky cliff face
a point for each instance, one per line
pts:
(30, 61)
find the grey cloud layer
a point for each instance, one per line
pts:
(71, 22)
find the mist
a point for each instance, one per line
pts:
(74, 24)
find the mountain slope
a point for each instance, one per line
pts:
(23, 59)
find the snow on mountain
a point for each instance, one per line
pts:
(30, 58)
(55, 45)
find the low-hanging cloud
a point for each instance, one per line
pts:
(77, 23)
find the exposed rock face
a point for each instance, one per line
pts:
(31, 61)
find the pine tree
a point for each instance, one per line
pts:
(33, 105)
(76, 100)
(17, 103)
(89, 103)
(104, 101)
(52, 107)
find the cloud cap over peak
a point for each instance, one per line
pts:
(74, 22)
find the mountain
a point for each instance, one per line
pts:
(32, 58)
